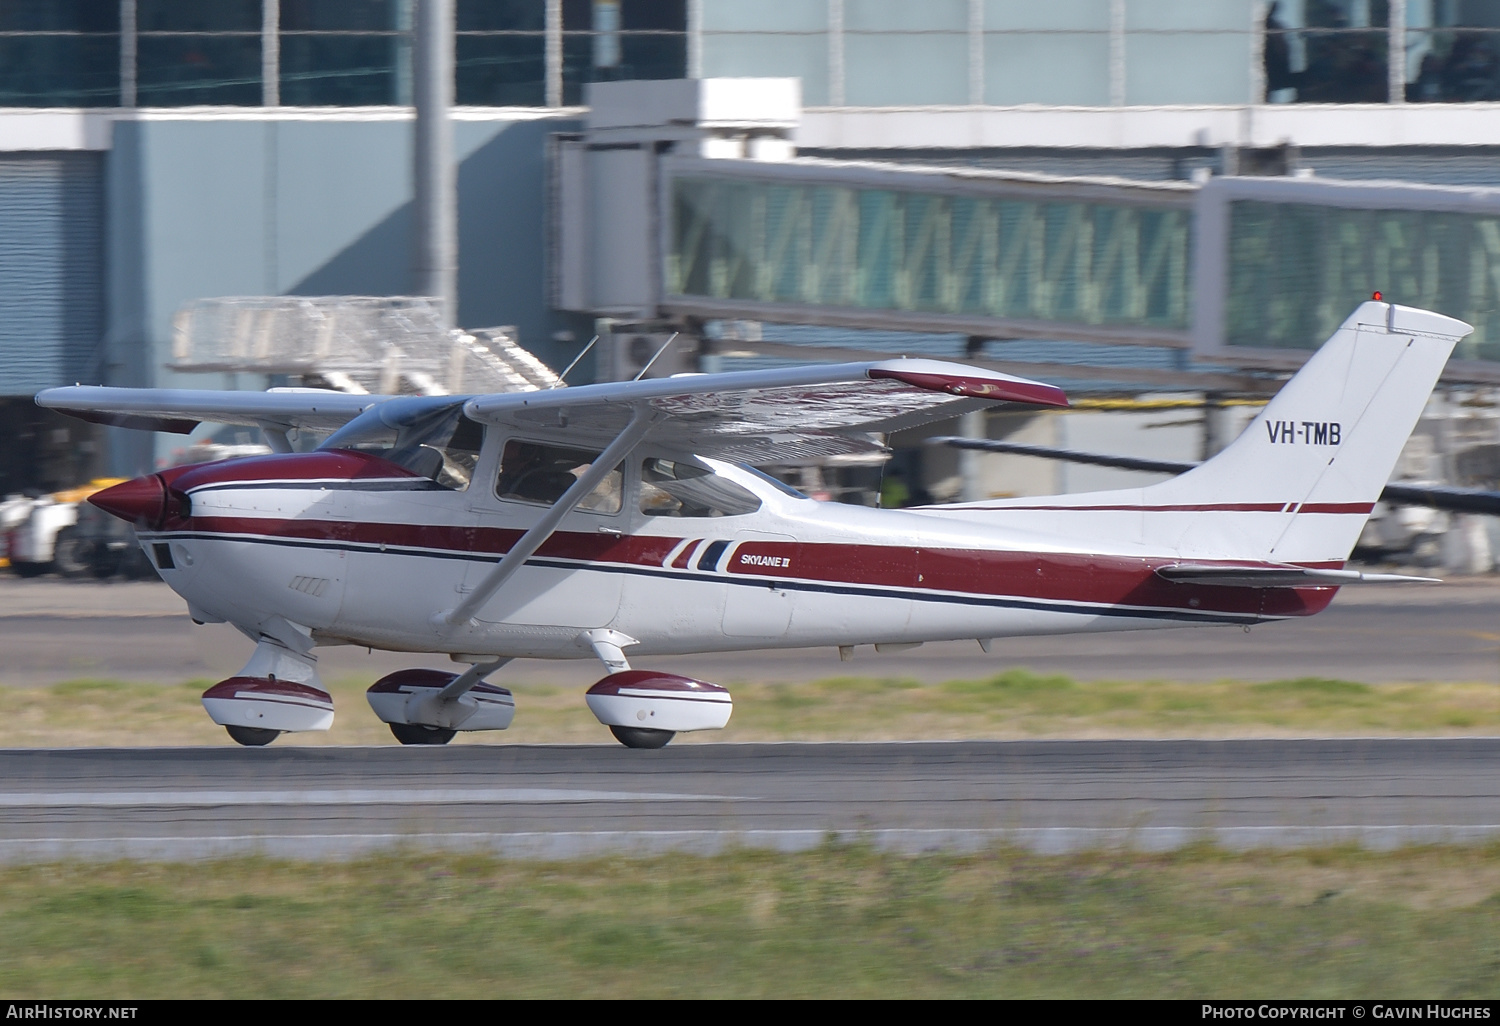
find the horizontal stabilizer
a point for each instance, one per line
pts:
(1278, 576)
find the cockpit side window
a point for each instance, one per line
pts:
(534, 472)
(439, 444)
(674, 488)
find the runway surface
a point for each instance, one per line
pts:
(570, 801)
(53, 630)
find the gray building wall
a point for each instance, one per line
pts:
(216, 206)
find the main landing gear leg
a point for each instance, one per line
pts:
(428, 707)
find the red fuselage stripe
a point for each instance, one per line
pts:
(1060, 577)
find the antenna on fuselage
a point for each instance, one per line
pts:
(581, 354)
(649, 362)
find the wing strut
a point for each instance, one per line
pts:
(640, 422)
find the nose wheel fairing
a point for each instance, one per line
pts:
(278, 690)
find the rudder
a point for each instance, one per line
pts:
(1303, 477)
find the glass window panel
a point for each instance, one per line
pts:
(653, 55)
(904, 16)
(765, 16)
(501, 70)
(1066, 68)
(1453, 66)
(501, 15)
(535, 472)
(578, 15)
(768, 55)
(60, 71)
(1054, 14)
(1299, 269)
(1341, 66)
(177, 71)
(654, 15)
(339, 70)
(59, 15)
(577, 66)
(890, 69)
(197, 16)
(1199, 67)
(332, 15)
(903, 250)
(1188, 15)
(644, 55)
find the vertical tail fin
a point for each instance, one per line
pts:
(1311, 465)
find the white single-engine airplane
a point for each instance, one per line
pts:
(604, 518)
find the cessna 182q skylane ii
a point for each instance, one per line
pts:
(607, 518)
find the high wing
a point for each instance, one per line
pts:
(744, 416)
(763, 416)
(179, 410)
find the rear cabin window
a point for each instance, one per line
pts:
(672, 488)
(533, 472)
(441, 444)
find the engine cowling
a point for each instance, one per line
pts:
(659, 701)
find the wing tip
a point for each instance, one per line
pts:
(978, 386)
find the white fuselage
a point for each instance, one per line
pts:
(373, 561)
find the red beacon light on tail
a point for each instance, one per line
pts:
(1376, 296)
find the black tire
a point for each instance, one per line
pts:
(30, 569)
(642, 737)
(253, 737)
(70, 554)
(416, 734)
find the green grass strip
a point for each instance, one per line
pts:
(841, 921)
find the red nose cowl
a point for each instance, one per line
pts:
(142, 502)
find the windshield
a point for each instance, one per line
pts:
(440, 444)
(780, 485)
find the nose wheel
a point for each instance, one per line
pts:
(642, 737)
(416, 734)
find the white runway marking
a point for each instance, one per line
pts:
(590, 843)
(329, 796)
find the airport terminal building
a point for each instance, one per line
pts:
(1126, 196)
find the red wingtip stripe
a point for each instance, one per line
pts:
(1034, 392)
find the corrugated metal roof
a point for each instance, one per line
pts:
(51, 264)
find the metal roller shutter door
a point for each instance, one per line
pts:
(51, 269)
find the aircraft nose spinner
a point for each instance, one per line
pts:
(139, 501)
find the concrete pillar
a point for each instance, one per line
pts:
(971, 425)
(436, 178)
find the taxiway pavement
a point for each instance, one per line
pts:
(53, 630)
(563, 801)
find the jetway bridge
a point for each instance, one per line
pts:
(683, 201)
